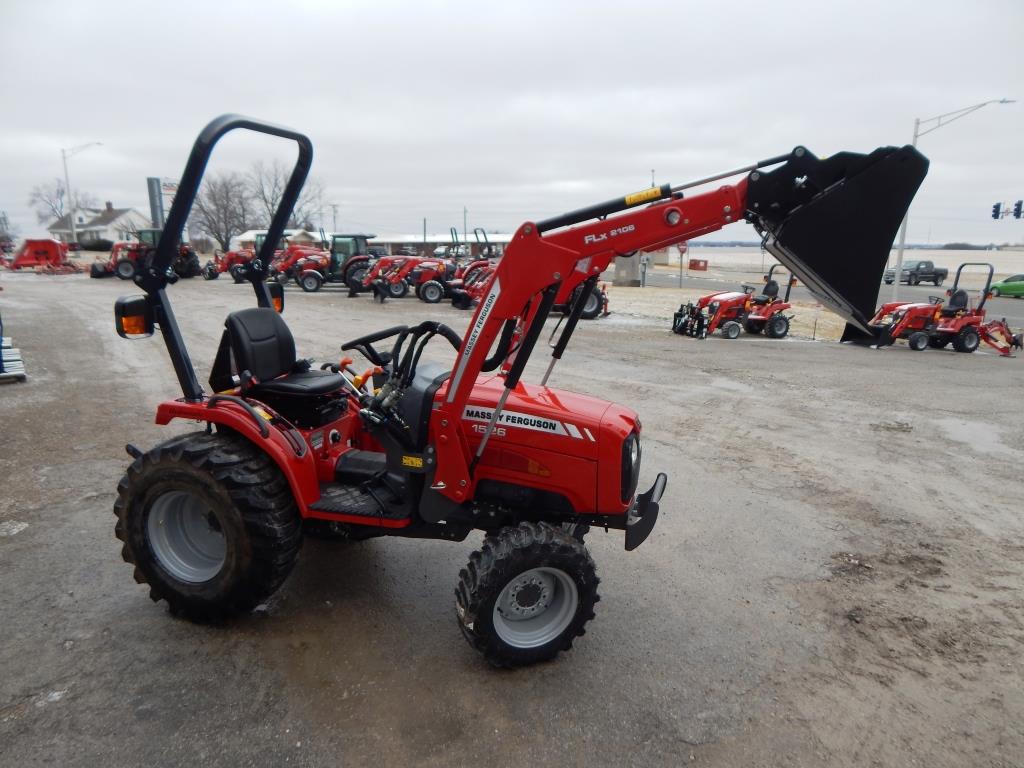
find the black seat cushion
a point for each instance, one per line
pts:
(261, 343)
(303, 383)
(769, 294)
(958, 301)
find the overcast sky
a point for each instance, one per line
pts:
(515, 110)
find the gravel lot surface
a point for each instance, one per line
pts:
(836, 578)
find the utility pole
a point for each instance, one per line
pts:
(652, 178)
(939, 120)
(465, 232)
(424, 230)
(64, 155)
(334, 217)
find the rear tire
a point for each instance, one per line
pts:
(431, 292)
(778, 327)
(210, 272)
(967, 340)
(125, 269)
(237, 273)
(209, 523)
(526, 594)
(918, 341)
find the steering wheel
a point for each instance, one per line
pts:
(364, 345)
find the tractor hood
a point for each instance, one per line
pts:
(832, 222)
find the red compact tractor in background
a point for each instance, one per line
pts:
(212, 520)
(734, 311)
(348, 260)
(46, 256)
(125, 257)
(938, 323)
(232, 262)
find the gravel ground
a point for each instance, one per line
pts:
(835, 579)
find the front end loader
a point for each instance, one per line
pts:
(212, 521)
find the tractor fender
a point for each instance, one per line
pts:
(299, 471)
(316, 272)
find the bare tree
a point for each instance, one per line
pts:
(266, 186)
(8, 234)
(223, 208)
(49, 201)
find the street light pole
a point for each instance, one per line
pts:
(940, 121)
(334, 215)
(64, 155)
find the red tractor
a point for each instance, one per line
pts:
(232, 262)
(125, 258)
(212, 520)
(435, 279)
(734, 311)
(939, 323)
(47, 256)
(348, 260)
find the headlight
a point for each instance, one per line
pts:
(630, 466)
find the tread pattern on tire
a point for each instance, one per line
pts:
(503, 555)
(257, 489)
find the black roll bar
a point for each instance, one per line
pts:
(154, 276)
(988, 282)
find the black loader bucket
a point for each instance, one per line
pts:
(832, 222)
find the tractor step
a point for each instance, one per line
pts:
(377, 501)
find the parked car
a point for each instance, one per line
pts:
(915, 272)
(1010, 286)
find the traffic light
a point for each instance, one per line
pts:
(995, 210)
(1016, 208)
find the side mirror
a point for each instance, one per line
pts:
(133, 317)
(276, 296)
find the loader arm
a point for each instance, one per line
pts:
(831, 222)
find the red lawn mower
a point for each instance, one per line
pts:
(212, 520)
(735, 311)
(939, 323)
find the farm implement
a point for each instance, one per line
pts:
(212, 520)
(48, 257)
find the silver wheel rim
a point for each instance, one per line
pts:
(396, 289)
(309, 283)
(431, 293)
(185, 538)
(535, 607)
(593, 304)
(125, 269)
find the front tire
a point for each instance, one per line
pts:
(310, 283)
(731, 329)
(918, 341)
(995, 293)
(125, 269)
(431, 292)
(398, 290)
(526, 594)
(209, 523)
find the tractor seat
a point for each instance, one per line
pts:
(958, 302)
(262, 344)
(769, 294)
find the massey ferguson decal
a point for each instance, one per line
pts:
(523, 421)
(474, 335)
